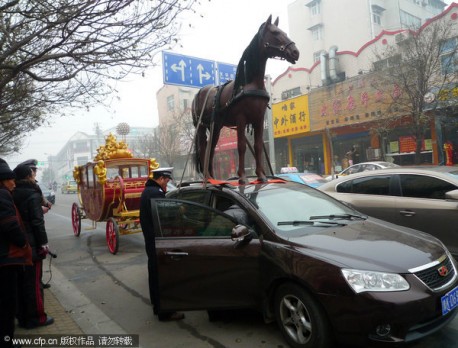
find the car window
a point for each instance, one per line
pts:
(422, 186)
(353, 169)
(194, 196)
(187, 219)
(377, 185)
(369, 167)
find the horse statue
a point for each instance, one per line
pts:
(240, 102)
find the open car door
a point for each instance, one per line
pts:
(199, 265)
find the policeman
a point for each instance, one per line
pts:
(155, 188)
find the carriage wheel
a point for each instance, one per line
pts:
(76, 220)
(112, 234)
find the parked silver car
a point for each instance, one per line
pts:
(363, 167)
(422, 198)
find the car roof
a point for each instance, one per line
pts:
(438, 171)
(272, 184)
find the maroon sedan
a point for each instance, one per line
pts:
(323, 271)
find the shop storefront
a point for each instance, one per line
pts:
(291, 127)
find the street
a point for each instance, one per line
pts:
(117, 286)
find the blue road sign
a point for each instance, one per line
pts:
(194, 72)
(226, 72)
(187, 71)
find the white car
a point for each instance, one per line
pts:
(362, 167)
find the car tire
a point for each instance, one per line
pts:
(301, 319)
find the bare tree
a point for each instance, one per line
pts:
(64, 52)
(174, 137)
(420, 62)
(145, 146)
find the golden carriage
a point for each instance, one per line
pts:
(109, 189)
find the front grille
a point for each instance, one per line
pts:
(433, 279)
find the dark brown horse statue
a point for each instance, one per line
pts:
(240, 102)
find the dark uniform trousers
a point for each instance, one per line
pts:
(8, 276)
(31, 309)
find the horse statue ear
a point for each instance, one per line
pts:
(269, 20)
(276, 22)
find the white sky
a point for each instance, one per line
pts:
(226, 28)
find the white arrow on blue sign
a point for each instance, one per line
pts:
(194, 72)
(187, 71)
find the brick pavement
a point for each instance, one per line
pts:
(63, 322)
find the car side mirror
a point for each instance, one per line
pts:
(452, 195)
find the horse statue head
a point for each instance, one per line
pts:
(276, 43)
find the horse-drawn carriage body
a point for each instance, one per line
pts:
(119, 196)
(109, 189)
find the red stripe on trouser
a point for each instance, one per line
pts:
(38, 293)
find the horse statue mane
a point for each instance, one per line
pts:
(247, 67)
(241, 102)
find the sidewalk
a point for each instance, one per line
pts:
(72, 311)
(63, 322)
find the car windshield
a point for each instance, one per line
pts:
(298, 209)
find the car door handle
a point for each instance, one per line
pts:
(176, 255)
(407, 213)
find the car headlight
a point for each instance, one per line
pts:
(361, 281)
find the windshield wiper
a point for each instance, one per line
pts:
(308, 222)
(339, 216)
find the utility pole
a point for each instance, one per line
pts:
(270, 129)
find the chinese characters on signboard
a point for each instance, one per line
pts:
(291, 117)
(350, 102)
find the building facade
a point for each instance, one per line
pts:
(320, 113)
(318, 25)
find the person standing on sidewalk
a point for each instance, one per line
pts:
(28, 199)
(155, 188)
(45, 204)
(15, 252)
(33, 164)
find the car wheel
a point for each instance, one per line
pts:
(301, 319)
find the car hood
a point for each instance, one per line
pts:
(371, 244)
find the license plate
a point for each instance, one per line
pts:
(449, 301)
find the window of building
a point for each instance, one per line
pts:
(387, 63)
(317, 32)
(170, 103)
(81, 146)
(290, 93)
(449, 56)
(409, 21)
(377, 14)
(377, 18)
(184, 104)
(314, 7)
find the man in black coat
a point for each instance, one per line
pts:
(155, 188)
(28, 199)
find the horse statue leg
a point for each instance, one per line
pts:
(241, 148)
(201, 147)
(215, 131)
(258, 150)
